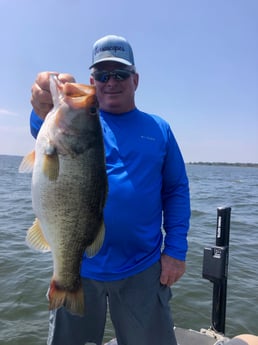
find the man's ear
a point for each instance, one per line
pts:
(136, 80)
(92, 82)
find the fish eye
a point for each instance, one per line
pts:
(93, 110)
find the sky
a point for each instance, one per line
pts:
(197, 60)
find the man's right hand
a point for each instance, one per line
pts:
(41, 99)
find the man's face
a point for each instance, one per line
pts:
(115, 96)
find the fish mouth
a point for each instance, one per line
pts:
(78, 90)
(78, 102)
(80, 95)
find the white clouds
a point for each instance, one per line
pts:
(5, 112)
(15, 140)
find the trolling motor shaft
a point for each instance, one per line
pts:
(215, 269)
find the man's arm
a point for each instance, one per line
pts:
(176, 212)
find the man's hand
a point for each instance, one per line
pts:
(41, 99)
(171, 270)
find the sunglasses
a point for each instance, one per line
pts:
(117, 74)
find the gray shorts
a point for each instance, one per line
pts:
(139, 310)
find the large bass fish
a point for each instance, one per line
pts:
(69, 188)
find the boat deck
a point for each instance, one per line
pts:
(204, 337)
(191, 337)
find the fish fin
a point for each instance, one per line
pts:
(73, 300)
(51, 166)
(93, 249)
(27, 163)
(35, 238)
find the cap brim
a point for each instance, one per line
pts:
(115, 59)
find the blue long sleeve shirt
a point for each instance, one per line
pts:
(148, 185)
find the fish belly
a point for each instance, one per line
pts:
(70, 212)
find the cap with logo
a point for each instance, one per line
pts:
(112, 48)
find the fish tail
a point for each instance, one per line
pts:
(73, 300)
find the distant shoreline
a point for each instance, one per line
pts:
(250, 165)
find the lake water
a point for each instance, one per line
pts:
(25, 274)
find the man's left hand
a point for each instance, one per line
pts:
(171, 270)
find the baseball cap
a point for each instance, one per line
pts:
(112, 48)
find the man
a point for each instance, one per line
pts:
(147, 179)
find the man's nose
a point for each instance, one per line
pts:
(112, 80)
